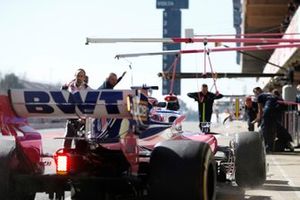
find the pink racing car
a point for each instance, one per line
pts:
(137, 157)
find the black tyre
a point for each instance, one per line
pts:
(24, 197)
(250, 159)
(79, 194)
(7, 188)
(182, 169)
(4, 182)
(87, 191)
(7, 145)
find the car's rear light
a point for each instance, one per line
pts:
(62, 164)
(170, 98)
(68, 162)
(62, 161)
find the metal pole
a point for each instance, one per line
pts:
(244, 48)
(247, 35)
(183, 75)
(190, 40)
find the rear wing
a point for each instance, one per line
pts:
(63, 104)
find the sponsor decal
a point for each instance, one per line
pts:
(44, 102)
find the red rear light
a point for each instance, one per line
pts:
(62, 161)
(62, 164)
(170, 98)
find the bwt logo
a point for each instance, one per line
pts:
(48, 102)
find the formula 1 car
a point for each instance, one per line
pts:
(140, 155)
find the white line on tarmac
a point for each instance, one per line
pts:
(290, 182)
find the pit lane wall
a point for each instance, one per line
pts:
(283, 56)
(291, 121)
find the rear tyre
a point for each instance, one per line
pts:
(25, 197)
(7, 186)
(250, 159)
(182, 169)
(84, 192)
(7, 145)
(4, 182)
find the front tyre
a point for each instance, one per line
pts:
(250, 159)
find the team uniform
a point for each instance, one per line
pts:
(106, 85)
(269, 118)
(107, 130)
(73, 125)
(205, 105)
(251, 113)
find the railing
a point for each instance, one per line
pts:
(291, 121)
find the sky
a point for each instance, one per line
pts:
(45, 41)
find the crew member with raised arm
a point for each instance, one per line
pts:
(102, 127)
(205, 101)
(111, 81)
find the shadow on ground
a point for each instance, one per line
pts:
(226, 191)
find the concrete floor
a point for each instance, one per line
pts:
(283, 181)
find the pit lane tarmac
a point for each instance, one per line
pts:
(283, 181)
(283, 178)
